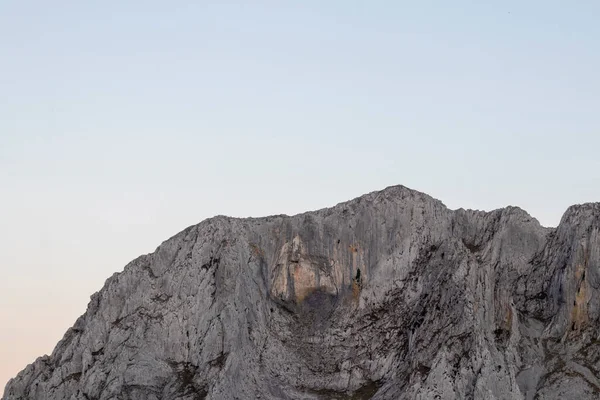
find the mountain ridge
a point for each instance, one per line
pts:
(222, 308)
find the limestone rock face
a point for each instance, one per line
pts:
(388, 296)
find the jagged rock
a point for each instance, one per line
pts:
(388, 296)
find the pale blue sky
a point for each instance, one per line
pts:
(121, 124)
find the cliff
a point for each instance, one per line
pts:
(388, 296)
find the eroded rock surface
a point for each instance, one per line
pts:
(388, 296)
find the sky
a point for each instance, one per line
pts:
(122, 123)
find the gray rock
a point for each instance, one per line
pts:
(388, 296)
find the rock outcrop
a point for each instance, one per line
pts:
(388, 296)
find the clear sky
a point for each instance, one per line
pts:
(121, 123)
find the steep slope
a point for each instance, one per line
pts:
(388, 296)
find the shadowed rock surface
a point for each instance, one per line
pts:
(388, 296)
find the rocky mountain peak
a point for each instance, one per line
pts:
(387, 296)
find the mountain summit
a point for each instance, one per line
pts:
(387, 296)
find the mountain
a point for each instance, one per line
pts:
(388, 296)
